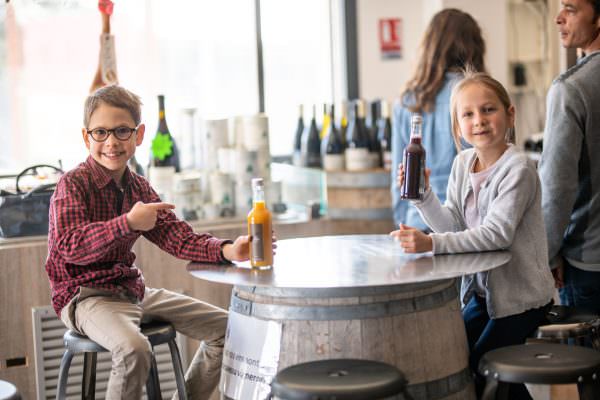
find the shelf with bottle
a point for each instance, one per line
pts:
(359, 142)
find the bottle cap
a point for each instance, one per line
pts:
(257, 182)
(416, 118)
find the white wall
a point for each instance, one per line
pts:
(377, 77)
(385, 78)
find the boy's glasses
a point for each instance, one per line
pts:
(121, 133)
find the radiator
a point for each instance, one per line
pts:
(48, 332)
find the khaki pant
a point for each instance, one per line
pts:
(113, 322)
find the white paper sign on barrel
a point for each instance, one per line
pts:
(215, 136)
(251, 359)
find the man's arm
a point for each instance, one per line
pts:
(559, 165)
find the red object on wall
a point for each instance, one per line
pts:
(390, 37)
(105, 6)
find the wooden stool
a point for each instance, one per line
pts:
(571, 323)
(157, 333)
(8, 391)
(545, 363)
(340, 379)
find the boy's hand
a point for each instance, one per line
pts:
(142, 217)
(240, 249)
(400, 176)
(412, 240)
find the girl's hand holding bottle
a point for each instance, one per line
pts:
(412, 240)
(400, 177)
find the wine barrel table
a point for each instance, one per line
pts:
(359, 194)
(361, 296)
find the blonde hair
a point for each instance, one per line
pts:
(452, 41)
(115, 96)
(483, 79)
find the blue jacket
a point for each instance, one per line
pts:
(439, 147)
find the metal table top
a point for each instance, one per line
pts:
(348, 262)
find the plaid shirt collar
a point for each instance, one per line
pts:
(101, 177)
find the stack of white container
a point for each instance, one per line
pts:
(232, 160)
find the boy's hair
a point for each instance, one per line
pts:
(115, 96)
(452, 41)
(472, 77)
(596, 4)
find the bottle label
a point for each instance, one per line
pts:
(256, 242)
(357, 159)
(333, 162)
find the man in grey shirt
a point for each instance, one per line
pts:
(570, 164)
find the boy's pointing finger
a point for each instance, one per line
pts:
(161, 206)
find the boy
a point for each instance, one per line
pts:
(98, 211)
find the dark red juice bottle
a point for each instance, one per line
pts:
(414, 163)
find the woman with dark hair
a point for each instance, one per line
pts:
(452, 42)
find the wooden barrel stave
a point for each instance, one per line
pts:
(403, 340)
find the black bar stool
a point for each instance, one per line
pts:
(8, 391)
(571, 323)
(543, 363)
(157, 333)
(339, 379)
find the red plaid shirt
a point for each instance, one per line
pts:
(89, 240)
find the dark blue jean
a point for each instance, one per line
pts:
(582, 288)
(485, 334)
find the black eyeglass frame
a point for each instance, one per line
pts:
(113, 132)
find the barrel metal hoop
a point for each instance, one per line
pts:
(337, 292)
(343, 312)
(441, 388)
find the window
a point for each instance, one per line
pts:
(200, 54)
(299, 53)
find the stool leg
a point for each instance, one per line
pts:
(153, 384)
(88, 383)
(63, 374)
(588, 391)
(178, 369)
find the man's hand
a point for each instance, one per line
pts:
(400, 176)
(412, 240)
(240, 249)
(142, 217)
(559, 273)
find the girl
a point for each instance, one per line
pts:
(452, 41)
(493, 202)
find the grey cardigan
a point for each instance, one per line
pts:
(509, 204)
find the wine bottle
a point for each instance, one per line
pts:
(297, 155)
(384, 135)
(325, 124)
(164, 149)
(344, 121)
(311, 143)
(332, 147)
(260, 228)
(357, 150)
(413, 187)
(374, 145)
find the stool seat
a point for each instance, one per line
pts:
(544, 363)
(559, 314)
(8, 391)
(339, 379)
(157, 333)
(571, 323)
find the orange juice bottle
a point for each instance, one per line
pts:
(260, 228)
